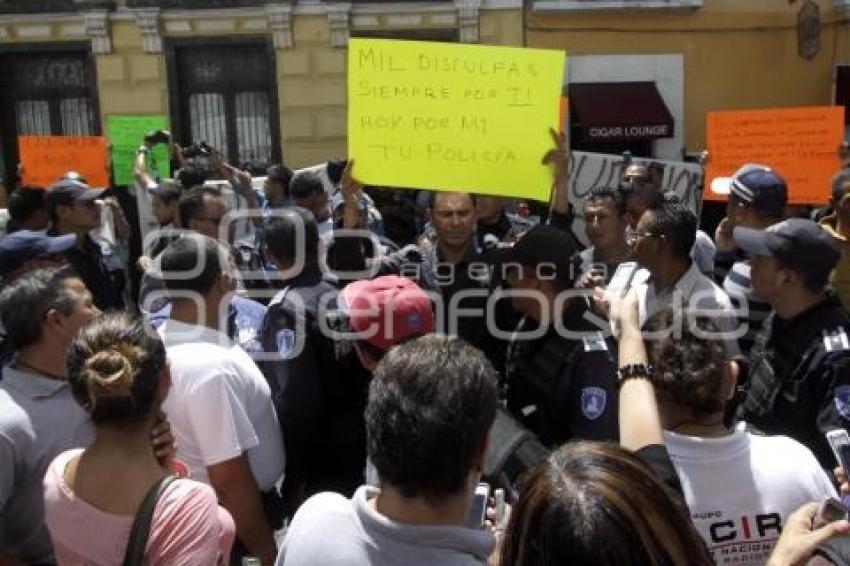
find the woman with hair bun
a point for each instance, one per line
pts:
(118, 373)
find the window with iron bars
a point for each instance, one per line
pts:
(225, 94)
(46, 93)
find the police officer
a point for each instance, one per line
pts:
(494, 225)
(73, 209)
(451, 268)
(799, 367)
(318, 385)
(203, 210)
(561, 385)
(242, 324)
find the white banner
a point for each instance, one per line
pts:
(589, 170)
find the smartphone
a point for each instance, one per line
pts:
(499, 496)
(478, 510)
(839, 441)
(621, 281)
(831, 510)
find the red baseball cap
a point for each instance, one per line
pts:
(388, 310)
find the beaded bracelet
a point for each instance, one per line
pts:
(634, 371)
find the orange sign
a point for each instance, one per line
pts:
(46, 158)
(801, 144)
(563, 112)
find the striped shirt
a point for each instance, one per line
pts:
(751, 311)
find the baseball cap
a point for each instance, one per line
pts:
(73, 176)
(166, 190)
(22, 246)
(387, 310)
(68, 191)
(541, 245)
(798, 243)
(757, 185)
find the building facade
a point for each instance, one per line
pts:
(263, 81)
(643, 74)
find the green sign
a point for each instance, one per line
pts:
(126, 134)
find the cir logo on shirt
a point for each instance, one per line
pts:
(593, 401)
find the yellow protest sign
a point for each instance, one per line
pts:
(453, 117)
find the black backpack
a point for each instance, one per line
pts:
(513, 450)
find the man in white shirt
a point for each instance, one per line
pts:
(662, 242)
(642, 188)
(740, 487)
(220, 404)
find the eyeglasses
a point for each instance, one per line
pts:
(632, 237)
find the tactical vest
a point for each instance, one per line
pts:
(789, 354)
(531, 377)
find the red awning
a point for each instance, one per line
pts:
(613, 112)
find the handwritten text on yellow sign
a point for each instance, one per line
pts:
(453, 117)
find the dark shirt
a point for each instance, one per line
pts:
(251, 265)
(319, 389)
(468, 282)
(799, 377)
(101, 270)
(564, 387)
(507, 229)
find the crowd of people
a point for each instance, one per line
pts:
(340, 374)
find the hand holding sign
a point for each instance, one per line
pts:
(349, 186)
(558, 157)
(351, 190)
(126, 134)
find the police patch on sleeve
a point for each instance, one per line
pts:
(285, 342)
(835, 340)
(593, 400)
(595, 344)
(842, 400)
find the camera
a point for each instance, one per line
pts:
(155, 137)
(202, 149)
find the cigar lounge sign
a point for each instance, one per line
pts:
(623, 132)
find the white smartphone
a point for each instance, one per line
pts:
(478, 509)
(839, 441)
(499, 496)
(621, 281)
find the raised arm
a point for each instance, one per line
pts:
(140, 167)
(241, 182)
(640, 423)
(558, 158)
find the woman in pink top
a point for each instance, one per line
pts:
(118, 373)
